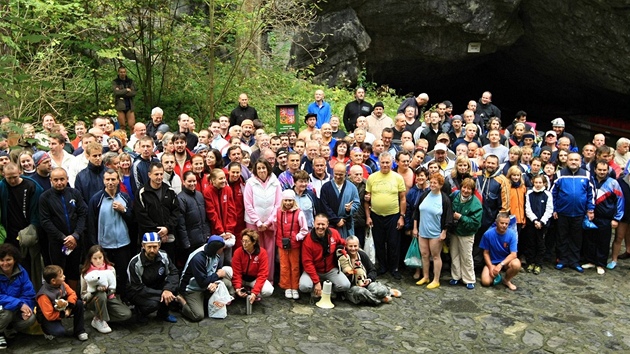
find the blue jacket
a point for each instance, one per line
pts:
(609, 201)
(323, 113)
(89, 181)
(572, 193)
(200, 271)
(539, 206)
(16, 290)
(121, 231)
(412, 197)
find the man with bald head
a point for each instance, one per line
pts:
(243, 111)
(139, 130)
(183, 121)
(486, 108)
(157, 117)
(419, 103)
(321, 108)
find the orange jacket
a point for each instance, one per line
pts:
(517, 202)
(48, 308)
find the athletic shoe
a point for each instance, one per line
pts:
(611, 265)
(497, 279)
(601, 271)
(387, 299)
(559, 266)
(3, 343)
(530, 268)
(453, 281)
(295, 294)
(578, 269)
(83, 336)
(537, 269)
(395, 293)
(288, 294)
(49, 336)
(100, 325)
(588, 266)
(168, 318)
(470, 286)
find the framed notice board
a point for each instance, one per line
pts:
(287, 116)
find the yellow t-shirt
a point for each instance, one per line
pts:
(384, 189)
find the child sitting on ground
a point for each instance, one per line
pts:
(55, 301)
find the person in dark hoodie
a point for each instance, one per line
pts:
(90, 180)
(193, 227)
(201, 277)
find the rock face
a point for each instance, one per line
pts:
(577, 43)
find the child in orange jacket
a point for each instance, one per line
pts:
(56, 300)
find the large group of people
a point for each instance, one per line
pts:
(183, 219)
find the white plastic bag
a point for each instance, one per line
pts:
(368, 246)
(222, 296)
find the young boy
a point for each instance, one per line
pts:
(55, 301)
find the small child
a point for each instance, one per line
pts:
(539, 210)
(56, 300)
(103, 301)
(290, 231)
(517, 196)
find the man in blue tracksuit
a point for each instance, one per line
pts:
(572, 199)
(609, 210)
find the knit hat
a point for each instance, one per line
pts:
(448, 104)
(4, 154)
(200, 147)
(288, 194)
(215, 243)
(39, 157)
(216, 238)
(379, 104)
(163, 128)
(545, 148)
(558, 122)
(151, 237)
(282, 152)
(529, 135)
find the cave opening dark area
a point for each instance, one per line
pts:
(515, 85)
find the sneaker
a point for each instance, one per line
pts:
(559, 266)
(387, 299)
(453, 281)
(601, 271)
(288, 294)
(588, 266)
(530, 268)
(83, 336)
(578, 269)
(100, 325)
(497, 279)
(49, 336)
(537, 270)
(295, 294)
(395, 293)
(470, 286)
(3, 343)
(169, 318)
(611, 265)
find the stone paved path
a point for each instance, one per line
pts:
(556, 311)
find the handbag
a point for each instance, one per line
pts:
(368, 246)
(413, 258)
(286, 243)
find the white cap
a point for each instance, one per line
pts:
(440, 146)
(558, 122)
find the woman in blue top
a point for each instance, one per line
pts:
(17, 295)
(433, 215)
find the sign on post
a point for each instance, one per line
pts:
(287, 116)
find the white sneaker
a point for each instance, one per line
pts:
(288, 294)
(601, 271)
(588, 266)
(83, 336)
(100, 325)
(295, 294)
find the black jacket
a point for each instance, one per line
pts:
(193, 228)
(152, 211)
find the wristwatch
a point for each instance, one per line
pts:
(502, 264)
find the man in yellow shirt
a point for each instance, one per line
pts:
(385, 206)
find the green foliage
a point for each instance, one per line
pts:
(194, 57)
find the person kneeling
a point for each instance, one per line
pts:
(56, 300)
(499, 254)
(203, 276)
(361, 273)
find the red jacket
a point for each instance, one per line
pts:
(239, 204)
(291, 224)
(220, 209)
(313, 259)
(248, 267)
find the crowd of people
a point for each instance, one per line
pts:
(184, 219)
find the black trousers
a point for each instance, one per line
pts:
(569, 242)
(386, 241)
(597, 242)
(533, 241)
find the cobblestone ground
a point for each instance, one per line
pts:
(556, 311)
